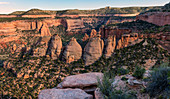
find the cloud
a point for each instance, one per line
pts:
(4, 2)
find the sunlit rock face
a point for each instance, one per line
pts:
(93, 50)
(93, 33)
(44, 30)
(73, 51)
(110, 46)
(158, 18)
(54, 47)
(86, 37)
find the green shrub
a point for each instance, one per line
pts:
(109, 92)
(122, 71)
(159, 82)
(124, 78)
(139, 71)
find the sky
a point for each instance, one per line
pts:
(8, 6)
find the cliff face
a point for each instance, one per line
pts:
(110, 46)
(158, 18)
(107, 31)
(73, 24)
(12, 27)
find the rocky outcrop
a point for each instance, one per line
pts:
(93, 50)
(54, 47)
(41, 46)
(158, 18)
(73, 51)
(110, 46)
(86, 37)
(93, 33)
(126, 38)
(98, 94)
(120, 43)
(44, 30)
(64, 94)
(110, 31)
(87, 82)
(73, 24)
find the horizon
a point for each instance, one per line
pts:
(9, 6)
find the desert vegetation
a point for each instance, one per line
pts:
(30, 74)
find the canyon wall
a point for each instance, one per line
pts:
(109, 31)
(96, 15)
(158, 18)
(65, 15)
(28, 16)
(73, 24)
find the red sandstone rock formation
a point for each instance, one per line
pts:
(120, 44)
(106, 32)
(110, 46)
(44, 30)
(86, 37)
(93, 50)
(73, 51)
(73, 24)
(54, 47)
(41, 46)
(93, 33)
(158, 18)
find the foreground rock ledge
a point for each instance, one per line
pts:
(64, 94)
(81, 80)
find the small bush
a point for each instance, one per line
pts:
(159, 82)
(139, 71)
(109, 92)
(124, 78)
(122, 71)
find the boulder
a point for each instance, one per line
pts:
(86, 81)
(64, 94)
(110, 46)
(93, 50)
(118, 83)
(73, 51)
(132, 81)
(98, 94)
(54, 47)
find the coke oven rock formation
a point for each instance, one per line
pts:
(73, 51)
(54, 47)
(93, 50)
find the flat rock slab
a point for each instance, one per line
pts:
(64, 94)
(81, 80)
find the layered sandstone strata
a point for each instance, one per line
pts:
(158, 18)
